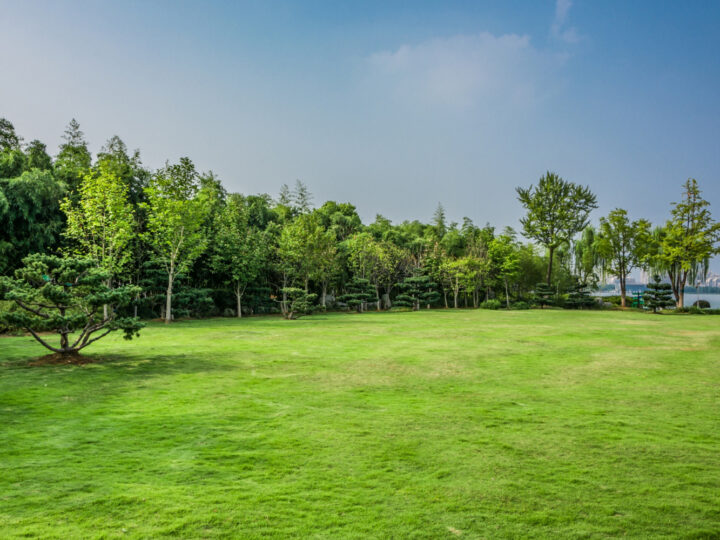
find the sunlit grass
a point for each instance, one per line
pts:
(429, 424)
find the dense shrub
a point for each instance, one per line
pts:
(520, 305)
(491, 304)
(702, 304)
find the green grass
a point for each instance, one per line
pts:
(433, 424)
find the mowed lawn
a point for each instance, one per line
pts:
(437, 424)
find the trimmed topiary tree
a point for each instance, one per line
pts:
(296, 303)
(544, 295)
(418, 290)
(579, 297)
(358, 293)
(66, 296)
(658, 295)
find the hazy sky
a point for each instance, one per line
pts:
(394, 106)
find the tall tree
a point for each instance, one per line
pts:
(238, 249)
(9, 139)
(30, 216)
(73, 160)
(556, 211)
(505, 260)
(585, 256)
(100, 224)
(174, 221)
(622, 246)
(690, 237)
(37, 156)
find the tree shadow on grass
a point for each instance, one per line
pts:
(123, 364)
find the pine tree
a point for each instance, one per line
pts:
(544, 295)
(579, 297)
(418, 290)
(358, 293)
(658, 295)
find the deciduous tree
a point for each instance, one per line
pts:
(556, 211)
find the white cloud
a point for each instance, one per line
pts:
(558, 29)
(467, 70)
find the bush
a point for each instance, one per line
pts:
(520, 305)
(491, 304)
(702, 304)
(692, 310)
(228, 312)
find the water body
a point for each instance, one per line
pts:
(690, 298)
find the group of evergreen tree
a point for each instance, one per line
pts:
(176, 243)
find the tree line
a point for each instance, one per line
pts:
(182, 245)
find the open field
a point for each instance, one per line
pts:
(435, 424)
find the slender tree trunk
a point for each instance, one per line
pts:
(445, 298)
(623, 302)
(507, 295)
(682, 278)
(283, 303)
(550, 265)
(377, 297)
(168, 299)
(238, 297)
(105, 306)
(324, 295)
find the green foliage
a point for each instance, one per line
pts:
(491, 304)
(544, 295)
(358, 292)
(658, 295)
(688, 239)
(622, 245)
(74, 160)
(9, 139)
(239, 250)
(417, 291)
(520, 305)
(37, 156)
(101, 223)
(66, 296)
(30, 217)
(556, 211)
(297, 302)
(579, 297)
(12, 163)
(174, 221)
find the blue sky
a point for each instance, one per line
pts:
(394, 106)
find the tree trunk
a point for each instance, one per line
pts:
(550, 265)
(238, 296)
(168, 299)
(507, 295)
(324, 295)
(377, 297)
(623, 302)
(445, 297)
(681, 289)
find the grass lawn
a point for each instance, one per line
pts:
(436, 424)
